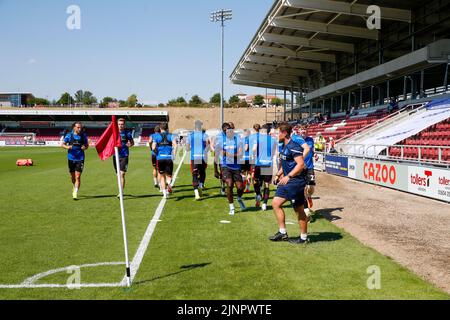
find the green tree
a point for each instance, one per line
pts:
(243, 104)
(234, 100)
(65, 99)
(258, 100)
(181, 101)
(132, 101)
(215, 99)
(172, 102)
(195, 101)
(276, 102)
(38, 102)
(161, 105)
(106, 101)
(88, 98)
(79, 96)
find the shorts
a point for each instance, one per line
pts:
(311, 177)
(76, 166)
(246, 166)
(197, 167)
(294, 192)
(123, 162)
(260, 173)
(154, 160)
(234, 175)
(165, 167)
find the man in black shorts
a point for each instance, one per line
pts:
(76, 142)
(154, 161)
(126, 137)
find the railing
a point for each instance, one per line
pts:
(410, 109)
(382, 152)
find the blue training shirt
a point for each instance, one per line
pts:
(76, 141)
(265, 145)
(231, 146)
(288, 155)
(198, 141)
(164, 146)
(125, 136)
(153, 137)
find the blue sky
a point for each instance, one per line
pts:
(156, 49)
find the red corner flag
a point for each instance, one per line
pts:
(108, 141)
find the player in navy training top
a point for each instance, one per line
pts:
(198, 144)
(152, 137)
(291, 186)
(228, 149)
(126, 137)
(76, 142)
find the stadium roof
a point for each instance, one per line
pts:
(82, 115)
(298, 36)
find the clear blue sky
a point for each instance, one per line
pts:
(156, 49)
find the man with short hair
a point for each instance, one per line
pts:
(228, 149)
(198, 143)
(291, 186)
(165, 147)
(76, 142)
(264, 147)
(126, 137)
(153, 154)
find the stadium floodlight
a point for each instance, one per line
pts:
(221, 16)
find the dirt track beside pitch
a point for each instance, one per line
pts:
(412, 230)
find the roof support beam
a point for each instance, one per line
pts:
(282, 62)
(263, 85)
(319, 44)
(335, 29)
(348, 9)
(277, 70)
(265, 75)
(282, 52)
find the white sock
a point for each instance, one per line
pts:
(200, 185)
(196, 193)
(165, 193)
(155, 180)
(75, 190)
(283, 230)
(304, 236)
(231, 206)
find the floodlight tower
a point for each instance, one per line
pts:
(221, 16)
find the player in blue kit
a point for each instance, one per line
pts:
(76, 142)
(198, 144)
(228, 149)
(291, 186)
(126, 137)
(246, 167)
(165, 147)
(264, 147)
(153, 154)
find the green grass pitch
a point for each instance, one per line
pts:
(191, 254)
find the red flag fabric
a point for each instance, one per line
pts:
(108, 141)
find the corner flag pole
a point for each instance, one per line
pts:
(122, 210)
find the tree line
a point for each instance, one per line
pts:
(87, 98)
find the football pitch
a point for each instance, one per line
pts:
(192, 254)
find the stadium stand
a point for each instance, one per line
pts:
(430, 144)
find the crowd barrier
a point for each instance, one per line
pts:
(425, 181)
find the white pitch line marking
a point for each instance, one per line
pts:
(136, 262)
(33, 279)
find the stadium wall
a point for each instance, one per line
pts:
(427, 181)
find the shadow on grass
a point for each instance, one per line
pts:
(183, 269)
(322, 237)
(327, 214)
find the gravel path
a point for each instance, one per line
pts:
(412, 230)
